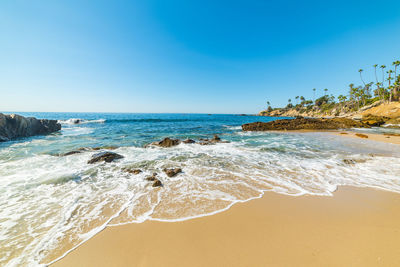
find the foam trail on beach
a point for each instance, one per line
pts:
(51, 204)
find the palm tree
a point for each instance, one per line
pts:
(396, 85)
(383, 75)
(376, 79)
(360, 71)
(297, 100)
(314, 93)
(326, 90)
(390, 87)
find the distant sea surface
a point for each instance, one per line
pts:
(49, 204)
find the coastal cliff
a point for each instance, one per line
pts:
(15, 126)
(376, 114)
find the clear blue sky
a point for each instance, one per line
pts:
(187, 56)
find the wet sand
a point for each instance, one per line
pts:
(387, 138)
(355, 227)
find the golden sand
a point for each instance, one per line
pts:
(355, 227)
(387, 138)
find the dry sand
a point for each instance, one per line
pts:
(355, 227)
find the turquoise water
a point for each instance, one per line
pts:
(51, 204)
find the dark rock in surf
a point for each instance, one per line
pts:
(157, 183)
(16, 126)
(104, 147)
(188, 141)
(152, 177)
(216, 138)
(71, 153)
(104, 156)
(172, 172)
(133, 171)
(167, 142)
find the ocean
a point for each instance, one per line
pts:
(49, 204)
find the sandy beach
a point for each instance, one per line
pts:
(387, 138)
(354, 227)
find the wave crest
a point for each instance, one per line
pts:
(80, 121)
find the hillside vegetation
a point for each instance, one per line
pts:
(380, 98)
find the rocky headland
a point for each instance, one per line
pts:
(15, 126)
(301, 123)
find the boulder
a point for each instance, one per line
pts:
(104, 156)
(167, 142)
(16, 126)
(157, 183)
(172, 172)
(304, 124)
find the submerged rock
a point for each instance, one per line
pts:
(216, 138)
(104, 147)
(71, 153)
(172, 172)
(304, 124)
(105, 156)
(152, 177)
(167, 142)
(133, 171)
(353, 161)
(16, 126)
(188, 141)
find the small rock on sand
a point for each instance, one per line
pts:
(172, 172)
(361, 135)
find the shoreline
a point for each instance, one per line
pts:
(66, 259)
(353, 227)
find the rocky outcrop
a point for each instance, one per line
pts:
(167, 142)
(214, 140)
(104, 156)
(373, 120)
(172, 172)
(304, 124)
(16, 126)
